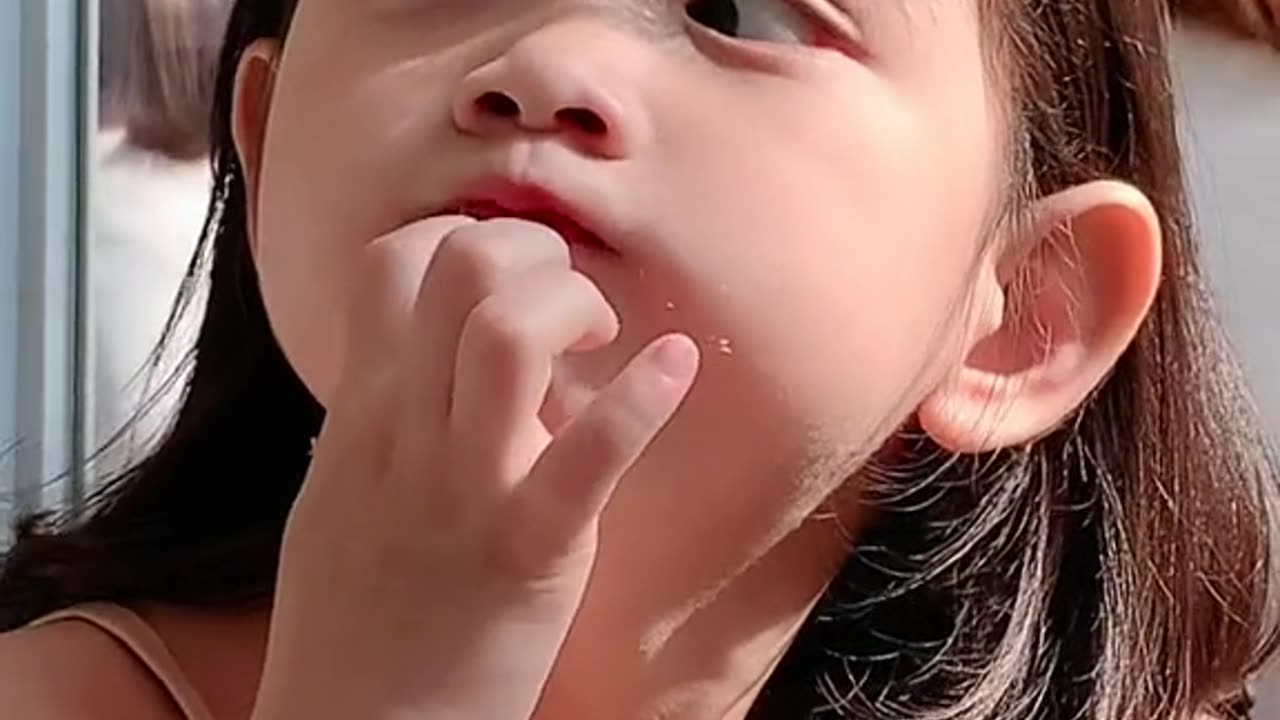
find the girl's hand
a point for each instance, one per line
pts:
(443, 538)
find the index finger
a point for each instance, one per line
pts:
(379, 308)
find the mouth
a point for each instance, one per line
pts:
(503, 199)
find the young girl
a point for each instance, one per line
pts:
(882, 318)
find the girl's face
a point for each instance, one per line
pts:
(803, 190)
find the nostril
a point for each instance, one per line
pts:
(585, 120)
(498, 104)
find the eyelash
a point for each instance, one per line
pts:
(827, 26)
(713, 15)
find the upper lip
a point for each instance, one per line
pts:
(503, 197)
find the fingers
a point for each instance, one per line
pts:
(458, 323)
(575, 476)
(504, 365)
(379, 310)
(471, 263)
(380, 306)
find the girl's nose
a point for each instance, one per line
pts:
(567, 78)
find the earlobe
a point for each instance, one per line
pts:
(255, 84)
(1070, 308)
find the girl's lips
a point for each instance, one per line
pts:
(565, 226)
(496, 198)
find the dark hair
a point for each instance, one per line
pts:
(159, 58)
(1117, 570)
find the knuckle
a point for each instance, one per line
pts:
(614, 434)
(578, 282)
(587, 289)
(475, 255)
(537, 239)
(623, 426)
(495, 330)
(632, 413)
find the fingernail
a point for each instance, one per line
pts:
(677, 357)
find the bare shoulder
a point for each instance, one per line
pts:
(72, 671)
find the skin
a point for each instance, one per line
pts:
(832, 281)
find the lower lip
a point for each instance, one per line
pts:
(577, 237)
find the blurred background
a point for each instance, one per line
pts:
(104, 185)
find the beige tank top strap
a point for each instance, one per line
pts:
(146, 645)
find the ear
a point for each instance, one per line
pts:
(1055, 313)
(255, 84)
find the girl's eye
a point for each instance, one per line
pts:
(766, 20)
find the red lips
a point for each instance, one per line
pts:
(501, 198)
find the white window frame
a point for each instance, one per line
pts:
(48, 110)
